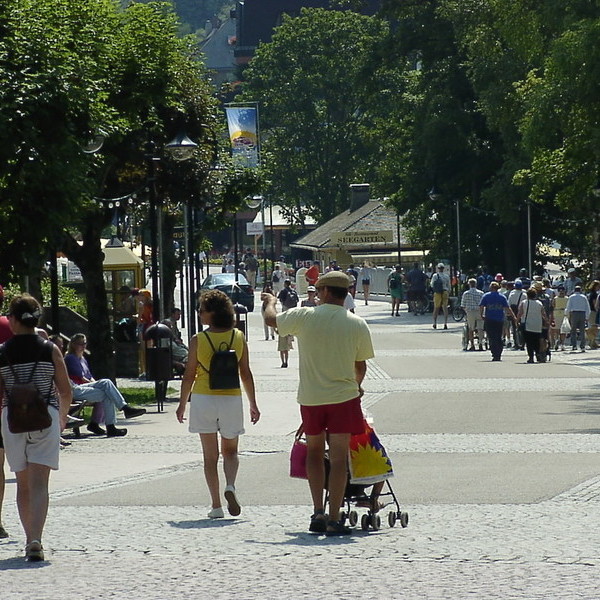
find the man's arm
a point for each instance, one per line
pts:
(270, 313)
(360, 370)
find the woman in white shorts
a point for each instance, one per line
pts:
(216, 411)
(31, 456)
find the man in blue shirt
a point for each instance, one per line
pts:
(493, 307)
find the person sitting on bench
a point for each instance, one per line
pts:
(87, 389)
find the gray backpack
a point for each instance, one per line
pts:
(438, 284)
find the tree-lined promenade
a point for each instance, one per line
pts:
(73, 73)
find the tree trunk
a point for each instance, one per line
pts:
(89, 258)
(170, 265)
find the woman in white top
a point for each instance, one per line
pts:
(532, 317)
(364, 278)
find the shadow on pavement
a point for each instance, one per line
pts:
(18, 563)
(204, 523)
(302, 538)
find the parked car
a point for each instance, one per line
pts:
(243, 293)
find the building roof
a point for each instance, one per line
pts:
(218, 50)
(371, 216)
(120, 257)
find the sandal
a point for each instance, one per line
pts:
(336, 528)
(34, 551)
(318, 522)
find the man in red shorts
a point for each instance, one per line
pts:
(333, 345)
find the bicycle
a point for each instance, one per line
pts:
(419, 306)
(458, 313)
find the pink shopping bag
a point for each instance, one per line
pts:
(298, 457)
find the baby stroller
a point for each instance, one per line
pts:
(479, 338)
(369, 467)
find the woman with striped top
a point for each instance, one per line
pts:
(32, 455)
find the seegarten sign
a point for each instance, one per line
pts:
(352, 238)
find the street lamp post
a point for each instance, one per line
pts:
(271, 231)
(180, 148)
(529, 261)
(398, 238)
(436, 195)
(254, 203)
(92, 145)
(595, 235)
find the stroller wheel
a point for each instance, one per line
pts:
(353, 518)
(375, 522)
(404, 519)
(391, 518)
(343, 517)
(365, 522)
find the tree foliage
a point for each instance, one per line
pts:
(69, 70)
(493, 101)
(310, 83)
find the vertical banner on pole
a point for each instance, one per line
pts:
(242, 122)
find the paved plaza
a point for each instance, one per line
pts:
(497, 464)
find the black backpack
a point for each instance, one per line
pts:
(223, 373)
(290, 299)
(438, 284)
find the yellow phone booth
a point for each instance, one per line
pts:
(123, 271)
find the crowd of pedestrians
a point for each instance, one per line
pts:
(533, 314)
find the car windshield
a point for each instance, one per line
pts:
(226, 279)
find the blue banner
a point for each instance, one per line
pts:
(242, 122)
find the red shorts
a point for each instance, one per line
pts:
(344, 417)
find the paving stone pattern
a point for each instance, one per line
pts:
(540, 550)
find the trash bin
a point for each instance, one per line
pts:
(159, 354)
(241, 314)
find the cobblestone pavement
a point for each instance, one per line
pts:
(100, 545)
(548, 550)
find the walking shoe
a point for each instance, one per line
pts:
(233, 506)
(129, 412)
(318, 522)
(34, 551)
(112, 431)
(3, 533)
(336, 528)
(216, 513)
(445, 326)
(435, 326)
(95, 429)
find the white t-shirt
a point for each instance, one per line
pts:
(532, 315)
(516, 297)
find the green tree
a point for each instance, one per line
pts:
(310, 82)
(445, 139)
(535, 68)
(68, 69)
